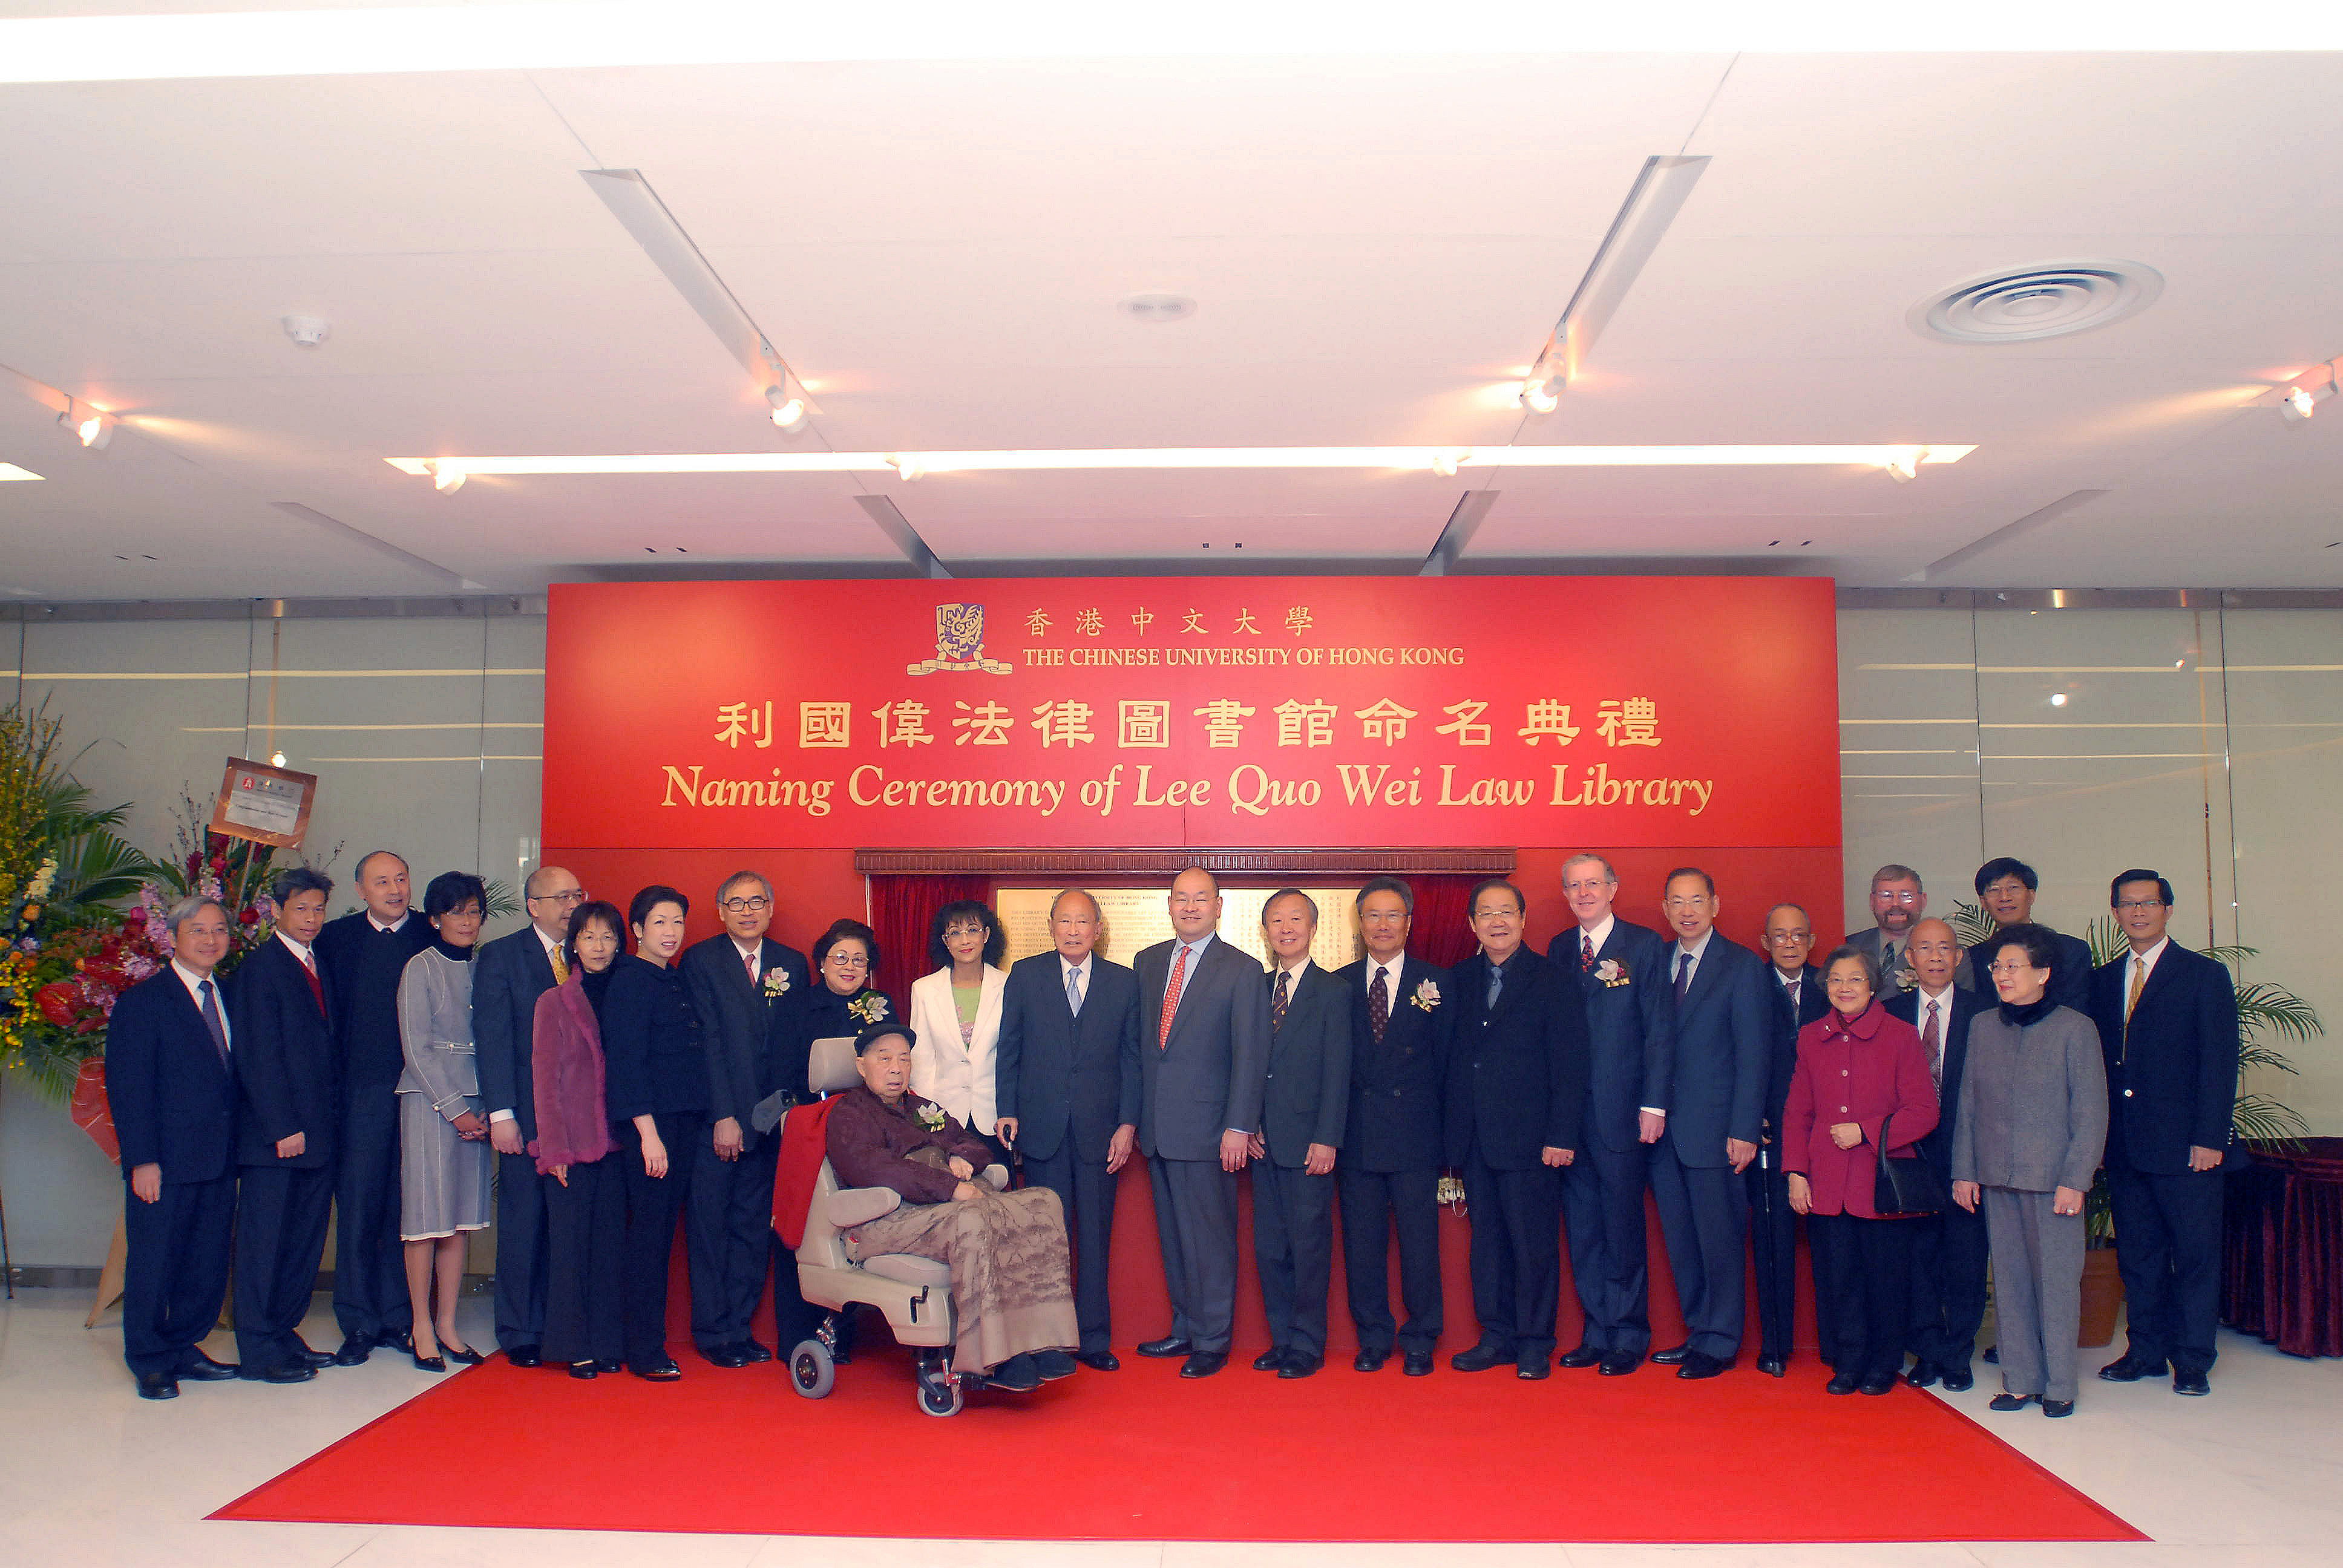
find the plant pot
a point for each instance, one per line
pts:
(2102, 1298)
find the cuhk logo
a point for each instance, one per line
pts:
(959, 643)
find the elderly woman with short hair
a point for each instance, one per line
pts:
(2033, 1123)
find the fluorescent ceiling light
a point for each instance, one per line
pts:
(10, 472)
(1428, 458)
(372, 40)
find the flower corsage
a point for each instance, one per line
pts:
(1611, 972)
(931, 1116)
(1427, 995)
(776, 983)
(868, 1008)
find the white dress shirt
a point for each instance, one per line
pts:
(195, 984)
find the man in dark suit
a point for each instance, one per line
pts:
(1207, 1008)
(1517, 1089)
(1897, 899)
(1388, 1174)
(2168, 1023)
(508, 977)
(1796, 989)
(363, 956)
(1711, 1137)
(289, 1083)
(1622, 969)
(170, 1080)
(750, 993)
(2006, 887)
(1948, 1249)
(1066, 1080)
(1303, 1104)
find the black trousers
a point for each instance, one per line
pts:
(520, 1252)
(1863, 1271)
(1196, 1223)
(1374, 1202)
(653, 1206)
(1774, 1243)
(281, 1213)
(173, 1271)
(2169, 1253)
(728, 1237)
(1294, 1252)
(1086, 1191)
(1603, 1194)
(1703, 1223)
(369, 1265)
(1516, 1254)
(1948, 1274)
(584, 1247)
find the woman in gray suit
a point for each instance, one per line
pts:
(443, 1151)
(2032, 1125)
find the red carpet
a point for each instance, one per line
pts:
(1139, 1454)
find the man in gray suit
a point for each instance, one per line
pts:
(1204, 1018)
(1897, 900)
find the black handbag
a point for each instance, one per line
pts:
(1907, 1186)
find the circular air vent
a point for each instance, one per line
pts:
(2029, 303)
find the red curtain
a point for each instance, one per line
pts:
(1440, 933)
(901, 910)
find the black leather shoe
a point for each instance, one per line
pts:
(466, 1357)
(157, 1385)
(585, 1372)
(1583, 1356)
(525, 1356)
(1164, 1349)
(1370, 1361)
(728, 1356)
(1203, 1363)
(1299, 1365)
(663, 1370)
(1619, 1363)
(1921, 1375)
(353, 1351)
(1671, 1357)
(1480, 1357)
(1700, 1365)
(1016, 1375)
(1959, 1379)
(1053, 1364)
(1884, 1383)
(200, 1368)
(429, 1364)
(2055, 1408)
(1417, 1364)
(2127, 1370)
(1270, 1360)
(291, 1372)
(613, 1366)
(757, 1354)
(1100, 1360)
(307, 1357)
(1843, 1382)
(1991, 1356)
(1774, 1366)
(2006, 1402)
(400, 1340)
(1533, 1368)
(2190, 1382)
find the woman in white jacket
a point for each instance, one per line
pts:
(956, 1016)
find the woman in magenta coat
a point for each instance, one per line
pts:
(1859, 1072)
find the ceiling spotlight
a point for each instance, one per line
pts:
(1903, 466)
(90, 428)
(446, 478)
(1540, 394)
(2057, 700)
(1445, 464)
(906, 469)
(277, 759)
(789, 410)
(2300, 401)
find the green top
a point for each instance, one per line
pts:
(965, 1000)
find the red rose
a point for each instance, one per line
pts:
(219, 865)
(55, 1001)
(249, 917)
(135, 921)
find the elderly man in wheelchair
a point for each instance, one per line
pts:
(901, 1212)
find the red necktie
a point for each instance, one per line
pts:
(309, 973)
(749, 960)
(1379, 1004)
(1585, 952)
(1172, 999)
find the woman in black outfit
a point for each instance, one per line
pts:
(845, 1003)
(657, 1089)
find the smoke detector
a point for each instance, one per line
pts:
(2025, 305)
(308, 331)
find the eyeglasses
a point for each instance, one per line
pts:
(574, 896)
(746, 906)
(1788, 938)
(2133, 906)
(2012, 970)
(1907, 896)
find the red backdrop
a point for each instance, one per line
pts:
(678, 718)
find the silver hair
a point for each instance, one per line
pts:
(188, 908)
(1585, 856)
(1097, 913)
(736, 878)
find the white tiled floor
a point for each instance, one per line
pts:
(91, 1475)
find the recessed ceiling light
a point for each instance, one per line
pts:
(9, 471)
(1156, 309)
(2057, 700)
(2025, 305)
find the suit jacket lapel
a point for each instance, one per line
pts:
(194, 1015)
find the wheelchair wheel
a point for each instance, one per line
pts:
(811, 1371)
(939, 1393)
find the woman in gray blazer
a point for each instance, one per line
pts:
(2032, 1126)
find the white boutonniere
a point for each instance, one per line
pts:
(1611, 972)
(776, 983)
(931, 1116)
(1427, 995)
(1907, 980)
(869, 1006)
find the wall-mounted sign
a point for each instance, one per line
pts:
(267, 805)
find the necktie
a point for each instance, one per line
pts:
(1075, 991)
(1277, 1000)
(560, 965)
(1932, 1041)
(2139, 984)
(1172, 999)
(1790, 997)
(1496, 984)
(1585, 952)
(316, 988)
(749, 961)
(212, 1021)
(1683, 976)
(1887, 963)
(1379, 1003)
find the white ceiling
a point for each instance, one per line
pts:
(1376, 246)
